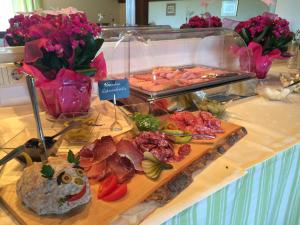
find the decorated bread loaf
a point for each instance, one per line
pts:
(55, 187)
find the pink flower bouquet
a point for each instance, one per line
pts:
(60, 53)
(202, 22)
(267, 37)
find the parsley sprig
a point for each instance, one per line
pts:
(47, 171)
(72, 158)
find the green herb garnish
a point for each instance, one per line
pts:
(62, 201)
(72, 158)
(146, 122)
(47, 171)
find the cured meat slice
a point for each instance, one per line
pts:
(126, 149)
(196, 69)
(144, 77)
(98, 170)
(163, 154)
(87, 151)
(162, 70)
(204, 124)
(86, 163)
(188, 76)
(156, 143)
(104, 148)
(121, 167)
(184, 150)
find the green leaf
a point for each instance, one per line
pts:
(72, 158)
(88, 51)
(270, 44)
(245, 35)
(283, 42)
(86, 70)
(262, 34)
(47, 171)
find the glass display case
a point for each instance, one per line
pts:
(170, 62)
(112, 33)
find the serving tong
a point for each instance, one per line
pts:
(35, 142)
(293, 84)
(34, 103)
(43, 143)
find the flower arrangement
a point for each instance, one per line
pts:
(61, 53)
(62, 41)
(268, 30)
(267, 37)
(18, 32)
(202, 22)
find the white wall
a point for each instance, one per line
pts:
(110, 9)
(290, 10)
(157, 10)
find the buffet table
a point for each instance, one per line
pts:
(255, 182)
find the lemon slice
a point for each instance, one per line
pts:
(27, 158)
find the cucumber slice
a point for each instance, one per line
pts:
(151, 157)
(154, 174)
(167, 131)
(165, 166)
(183, 140)
(148, 163)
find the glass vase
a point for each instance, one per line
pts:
(66, 96)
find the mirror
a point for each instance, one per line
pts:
(176, 13)
(106, 12)
(158, 12)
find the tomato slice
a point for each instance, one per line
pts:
(78, 195)
(107, 186)
(118, 193)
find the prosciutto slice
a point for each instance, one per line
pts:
(86, 163)
(127, 149)
(104, 157)
(121, 167)
(104, 148)
(98, 170)
(88, 150)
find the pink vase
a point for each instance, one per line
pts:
(260, 65)
(262, 68)
(252, 59)
(67, 95)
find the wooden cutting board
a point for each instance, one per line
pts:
(139, 188)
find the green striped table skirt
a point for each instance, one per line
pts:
(269, 194)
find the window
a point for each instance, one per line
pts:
(6, 12)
